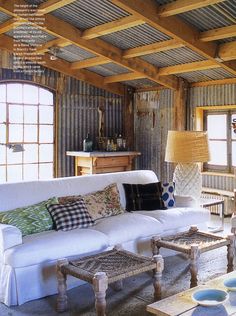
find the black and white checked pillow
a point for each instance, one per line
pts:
(70, 216)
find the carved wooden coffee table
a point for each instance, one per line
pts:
(105, 268)
(193, 243)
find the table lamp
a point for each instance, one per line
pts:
(187, 149)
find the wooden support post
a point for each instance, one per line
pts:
(180, 97)
(128, 118)
(157, 276)
(62, 301)
(230, 253)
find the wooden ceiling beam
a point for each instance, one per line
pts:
(90, 62)
(189, 67)
(63, 66)
(152, 48)
(53, 43)
(214, 82)
(52, 5)
(123, 77)
(66, 31)
(111, 27)
(227, 51)
(181, 6)
(173, 27)
(219, 33)
(9, 25)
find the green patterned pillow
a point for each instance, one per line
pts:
(30, 219)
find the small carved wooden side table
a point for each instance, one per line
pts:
(105, 268)
(193, 243)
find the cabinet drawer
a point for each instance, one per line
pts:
(111, 161)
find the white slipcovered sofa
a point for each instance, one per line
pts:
(27, 265)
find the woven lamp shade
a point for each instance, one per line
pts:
(187, 147)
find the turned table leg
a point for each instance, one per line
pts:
(100, 285)
(194, 256)
(230, 253)
(154, 247)
(62, 301)
(157, 276)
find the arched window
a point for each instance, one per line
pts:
(26, 132)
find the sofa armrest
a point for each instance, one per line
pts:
(9, 236)
(185, 201)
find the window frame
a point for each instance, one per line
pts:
(38, 124)
(229, 168)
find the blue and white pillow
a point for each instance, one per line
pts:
(168, 190)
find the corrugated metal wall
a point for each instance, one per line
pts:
(78, 104)
(78, 115)
(153, 118)
(217, 95)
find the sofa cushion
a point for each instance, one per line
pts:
(104, 203)
(52, 245)
(175, 218)
(70, 216)
(143, 196)
(31, 219)
(167, 195)
(128, 226)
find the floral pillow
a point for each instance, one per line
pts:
(104, 203)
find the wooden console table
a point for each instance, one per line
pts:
(102, 162)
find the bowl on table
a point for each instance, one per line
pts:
(210, 297)
(230, 284)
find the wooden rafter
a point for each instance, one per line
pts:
(52, 5)
(111, 27)
(53, 43)
(214, 82)
(123, 77)
(152, 48)
(90, 62)
(9, 25)
(227, 51)
(165, 71)
(219, 33)
(63, 66)
(183, 68)
(66, 31)
(172, 26)
(181, 6)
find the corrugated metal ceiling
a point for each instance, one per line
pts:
(214, 16)
(40, 37)
(135, 36)
(205, 75)
(109, 69)
(88, 13)
(4, 17)
(74, 53)
(173, 57)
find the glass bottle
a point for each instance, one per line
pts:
(119, 142)
(88, 144)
